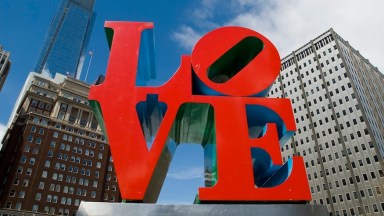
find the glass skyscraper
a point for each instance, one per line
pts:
(67, 38)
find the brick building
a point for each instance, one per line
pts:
(54, 154)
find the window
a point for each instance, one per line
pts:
(63, 200)
(52, 187)
(41, 105)
(12, 193)
(53, 144)
(69, 201)
(29, 171)
(112, 198)
(25, 182)
(30, 138)
(370, 192)
(362, 193)
(23, 159)
(55, 134)
(32, 161)
(35, 208)
(48, 107)
(73, 115)
(27, 148)
(16, 181)
(21, 194)
(44, 174)
(38, 196)
(366, 209)
(52, 210)
(41, 185)
(33, 129)
(18, 206)
(47, 163)
(20, 170)
(46, 209)
(375, 209)
(54, 176)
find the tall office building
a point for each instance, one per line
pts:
(5, 65)
(66, 42)
(337, 98)
(54, 154)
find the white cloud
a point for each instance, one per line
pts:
(188, 173)
(3, 129)
(290, 24)
(187, 37)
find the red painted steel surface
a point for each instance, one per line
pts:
(135, 164)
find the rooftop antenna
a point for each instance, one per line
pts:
(89, 64)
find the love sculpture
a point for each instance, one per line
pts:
(216, 99)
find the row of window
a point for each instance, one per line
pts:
(77, 116)
(78, 140)
(41, 105)
(44, 122)
(47, 209)
(352, 211)
(59, 176)
(351, 180)
(81, 132)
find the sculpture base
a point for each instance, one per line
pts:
(104, 208)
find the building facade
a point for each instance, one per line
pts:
(5, 65)
(337, 99)
(66, 42)
(54, 154)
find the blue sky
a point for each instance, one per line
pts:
(178, 25)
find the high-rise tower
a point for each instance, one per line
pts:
(337, 98)
(5, 65)
(67, 38)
